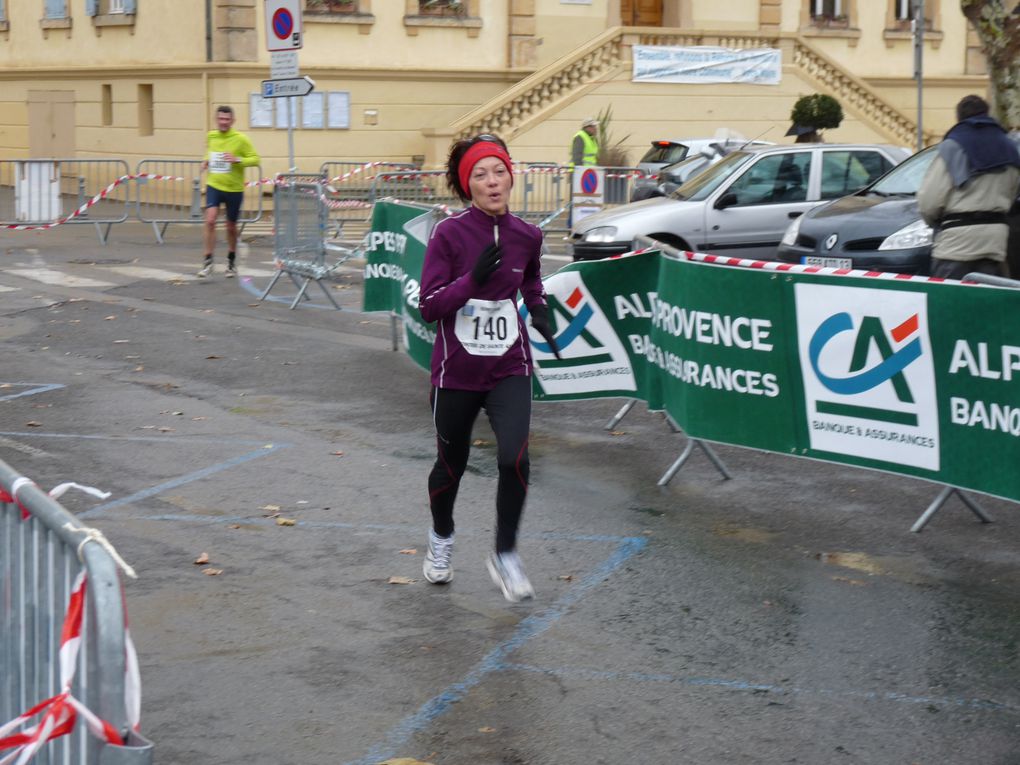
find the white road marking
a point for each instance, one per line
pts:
(142, 272)
(57, 278)
(8, 289)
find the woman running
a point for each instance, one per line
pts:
(475, 264)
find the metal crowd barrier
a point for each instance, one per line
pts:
(162, 202)
(351, 186)
(39, 561)
(425, 187)
(301, 216)
(544, 194)
(41, 192)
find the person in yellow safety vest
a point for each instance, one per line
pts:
(585, 147)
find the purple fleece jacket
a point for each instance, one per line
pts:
(446, 286)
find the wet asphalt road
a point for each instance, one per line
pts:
(784, 616)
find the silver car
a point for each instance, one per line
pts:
(742, 205)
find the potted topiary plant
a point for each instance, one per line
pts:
(812, 114)
(612, 154)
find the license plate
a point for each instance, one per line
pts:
(809, 260)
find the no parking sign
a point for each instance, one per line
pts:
(587, 191)
(283, 25)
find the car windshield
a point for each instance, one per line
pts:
(681, 169)
(904, 179)
(703, 184)
(665, 152)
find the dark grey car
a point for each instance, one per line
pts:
(877, 229)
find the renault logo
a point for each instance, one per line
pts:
(831, 241)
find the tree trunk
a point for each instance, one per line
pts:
(998, 28)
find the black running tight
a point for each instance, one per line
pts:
(508, 407)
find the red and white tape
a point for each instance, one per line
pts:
(97, 198)
(799, 268)
(59, 713)
(356, 171)
(55, 493)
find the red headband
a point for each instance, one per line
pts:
(478, 151)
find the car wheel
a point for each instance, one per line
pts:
(671, 241)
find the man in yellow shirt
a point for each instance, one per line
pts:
(228, 152)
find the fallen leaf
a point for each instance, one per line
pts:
(139, 368)
(848, 580)
(337, 454)
(234, 526)
(33, 424)
(254, 305)
(486, 729)
(214, 357)
(120, 342)
(6, 385)
(400, 580)
(109, 318)
(198, 419)
(212, 571)
(617, 432)
(409, 551)
(202, 559)
(285, 522)
(566, 577)
(176, 414)
(270, 508)
(166, 430)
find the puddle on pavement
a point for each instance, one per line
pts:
(745, 534)
(904, 569)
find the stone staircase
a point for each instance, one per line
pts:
(549, 90)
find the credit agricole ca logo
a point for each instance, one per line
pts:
(869, 381)
(593, 357)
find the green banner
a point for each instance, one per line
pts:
(394, 255)
(914, 377)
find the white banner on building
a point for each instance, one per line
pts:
(707, 64)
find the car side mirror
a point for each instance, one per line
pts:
(726, 200)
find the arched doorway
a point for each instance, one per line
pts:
(641, 13)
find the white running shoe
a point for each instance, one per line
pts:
(506, 571)
(231, 270)
(438, 566)
(205, 270)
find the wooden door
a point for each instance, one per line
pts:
(641, 13)
(51, 123)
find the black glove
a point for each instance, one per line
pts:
(540, 321)
(486, 264)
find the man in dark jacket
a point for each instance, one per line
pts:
(968, 189)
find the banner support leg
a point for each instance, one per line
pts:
(394, 337)
(710, 453)
(620, 415)
(688, 448)
(941, 499)
(679, 463)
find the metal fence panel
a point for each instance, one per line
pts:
(38, 565)
(350, 187)
(300, 217)
(162, 201)
(40, 192)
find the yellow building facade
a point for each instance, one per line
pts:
(395, 80)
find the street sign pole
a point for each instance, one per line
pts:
(290, 133)
(917, 24)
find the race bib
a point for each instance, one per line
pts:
(487, 327)
(217, 162)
